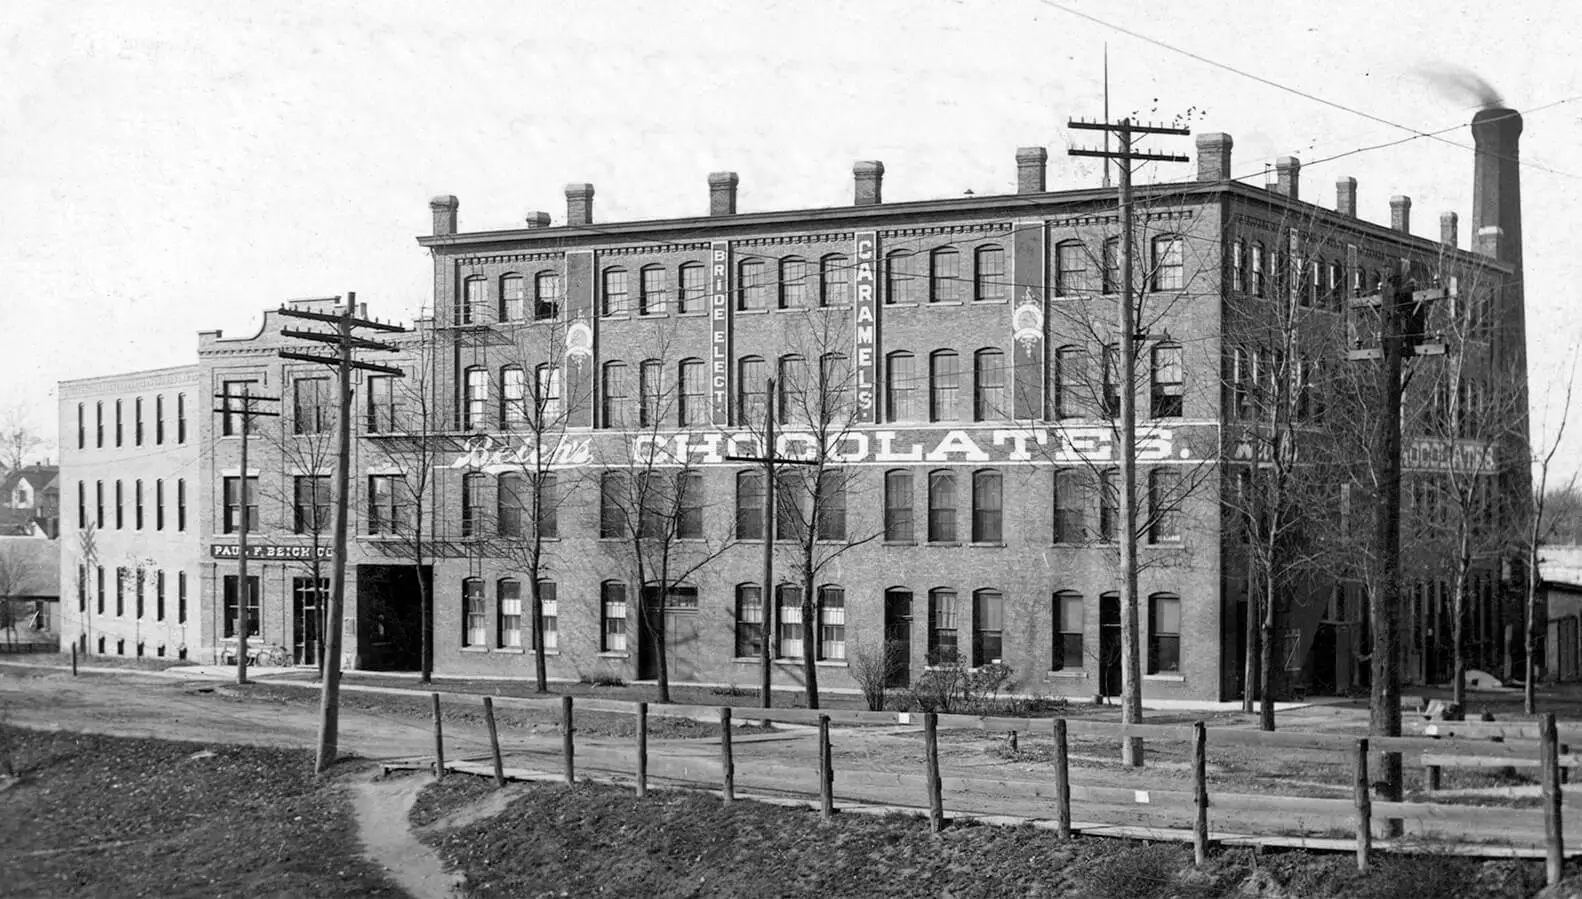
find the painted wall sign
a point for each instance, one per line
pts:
(1437, 454)
(499, 455)
(721, 314)
(865, 350)
(267, 552)
(581, 375)
(1028, 270)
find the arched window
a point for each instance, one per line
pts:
(1164, 633)
(511, 501)
(1109, 505)
(1069, 619)
(1164, 506)
(900, 278)
(752, 286)
(476, 399)
(749, 620)
(655, 284)
(1071, 272)
(613, 394)
(474, 612)
(509, 625)
(472, 513)
(988, 627)
(1167, 381)
(1260, 286)
(513, 397)
(942, 626)
(617, 291)
(941, 506)
(1238, 266)
(612, 505)
(749, 505)
(944, 276)
(1169, 263)
(693, 408)
(943, 385)
(834, 387)
(474, 300)
(793, 283)
(690, 501)
(988, 506)
(988, 386)
(989, 283)
(834, 274)
(751, 382)
(797, 395)
(650, 393)
(1071, 376)
(831, 498)
(1112, 265)
(513, 298)
(1070, 506)
(694, 284)
(900, 387)
(898, 506)
(546, 383)
(546, 296)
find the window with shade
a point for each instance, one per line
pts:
(474, 300)
(616, 292)
(235, 503)
(1169, 263)
(612, 617)
(474, 613)
(546, 631)
(1068, 616)
(1164, 633)
(613, 395)
(831, 623)
(941, 507)
(476, 399)
(749, 621)
(1071, 273)
(988, 627)
(513, 298)
(1168, 382)
(944, 276)
(788, 602)
(942, 627)
(546, 296)
(513, 397)
(898, 506)
(508, 628)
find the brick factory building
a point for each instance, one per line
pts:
(951, 356)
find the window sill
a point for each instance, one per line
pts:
(510, 650)
(615, 316)
(900, 543)
(900, 305)
(831, 663)
(1077, 674)
(937, 303)
(986, 545)
(475, 649)
(701, 313)
(1167, 677)
(752, 311)
(989, 302)
(615, 655)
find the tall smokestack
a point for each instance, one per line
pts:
(1497, 179)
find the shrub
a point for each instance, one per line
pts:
(874, 666)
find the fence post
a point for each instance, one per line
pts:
(494, 742)
(439, 741)
(1062, 782)
(936, 800)
(1364, 808)
(826, 771)
(566, 739)
(1555, 836)
(1200, 793)
(727, 763)
(642, 749)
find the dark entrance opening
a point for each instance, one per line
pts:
(679, 612)
(898, 638)
(390, 616)
(1110, 645)
(307, 614)
(1325, 680)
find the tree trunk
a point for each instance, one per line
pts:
(425, 601)
(1458, 675)
(658, 630)
(1530, 666)
(1250, 658)
(1266, 658)
(809, 621)
(541, 681)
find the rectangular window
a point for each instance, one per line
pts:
(1238, 266)
(1259, 286)
(181, 597)
(941, 627)
(513, 298)
(472, 510)
(1072, 276)
(793, 284)
(988, 626)
(612, 503)
(943, 386)
(990, 283)
(900, 282)
(231, 593)
(310, 504)
(612, 617)
(510, 624)
(181, 504)
(98, 496)
(82, 426)
(475, 299)
(474, 626)
(159, 595)
(692, 288)
(120, 506)
(1112, 266)
(1071, 374)
(385, 514)
(546, 302)
(313, 406)
(1068, 617)
(548, 522)
(99, 576)
(613, 394)
(234, 504)
(898, 507)
(788, 599)
(511, 500)
(1164, 501)
(988, 379)
(753, 286)
(944, 276)
(749, 621)
(941, 507)
(651, 298)
(159, 419)
(549, 640)
(137, 505)
(1109, 505)
(1168, 382)
(689, 505)
(650, 394)
(835, 281)
(1069, 524)
(477, 399)
(1164, 634)
(139, 578)
(181, 418)
(831, 623)
(900, 387)
(694, 406)
(381, 404)
(98, 424)
(513, 397)
(751, 385)
(749, 505)
(831, 505)
(82, 588)
(1169, 264)
(546, 380)
(988, 507)
(234, 399)
(1112, 381)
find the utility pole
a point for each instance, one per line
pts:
(1402, 313)
(344, 343)
(769, 461)
(244, 595)
(1131, 668)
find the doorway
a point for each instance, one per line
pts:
(1325, 674)
(678, 614)
(390, 628)
(898, 638)
(1110, 645)
(307, 609)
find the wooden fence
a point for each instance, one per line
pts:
(1172, 812)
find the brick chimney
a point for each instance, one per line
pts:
(722, 193)
(1346, 196)
(1030, 168)
(538, 219)
(1213, 156)
(579, 204)
(444, 210)
(869, 186)
(1288, 176)
(1490, 241)
(1448, 229)
(1401, 214)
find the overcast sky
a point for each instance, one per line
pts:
(175, 166)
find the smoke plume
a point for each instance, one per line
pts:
(1459, 84)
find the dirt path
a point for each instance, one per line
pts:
(383, 827)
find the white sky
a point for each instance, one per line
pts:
(177, 166)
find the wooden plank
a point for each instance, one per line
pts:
(1466, 760)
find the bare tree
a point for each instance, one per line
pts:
(816, 401)
(1534, 518)
(17, 437)
(22, 574)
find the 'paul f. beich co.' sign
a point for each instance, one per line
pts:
(268, 552)
(865, 446)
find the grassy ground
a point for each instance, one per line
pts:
(90, 815)
(600, 840)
